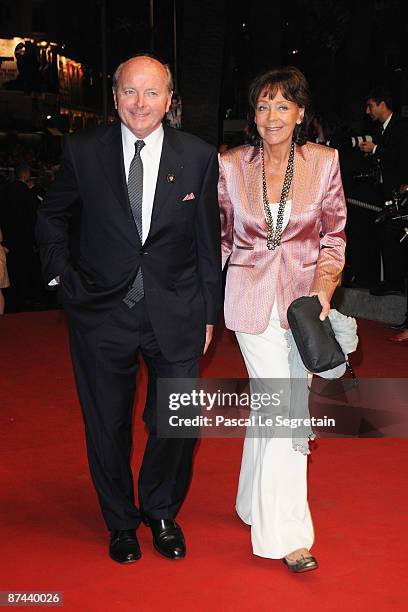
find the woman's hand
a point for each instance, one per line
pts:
(325, 304)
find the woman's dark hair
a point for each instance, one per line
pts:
(293, 86)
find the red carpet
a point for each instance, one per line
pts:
(53, 538)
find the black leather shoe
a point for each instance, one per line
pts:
(124, 547)
(168, 538)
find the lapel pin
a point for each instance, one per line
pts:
(171, 178)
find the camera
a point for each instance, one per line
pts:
(395, 209)
(358, 140)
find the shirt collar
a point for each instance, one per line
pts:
(384, 125)
(153, 140)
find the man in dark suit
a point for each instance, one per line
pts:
(390, 151)
(147, 280)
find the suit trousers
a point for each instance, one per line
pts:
(105, 362)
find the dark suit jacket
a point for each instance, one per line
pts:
(392, 153)
(180, 258)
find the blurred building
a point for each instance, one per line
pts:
(41, 89)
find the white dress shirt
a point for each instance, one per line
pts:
(150, 155)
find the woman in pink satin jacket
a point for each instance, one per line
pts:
(283, 214)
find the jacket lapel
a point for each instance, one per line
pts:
(253, 185)
(301, 180)
(170, 171)
(110, 154)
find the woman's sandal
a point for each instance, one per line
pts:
(303, 564)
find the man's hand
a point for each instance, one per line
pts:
(325, 304)
(208, 337)
(367, 147)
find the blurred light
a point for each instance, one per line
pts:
(244, 25)
(295, 51)
(49, 117)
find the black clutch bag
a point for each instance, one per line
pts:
(314, 338)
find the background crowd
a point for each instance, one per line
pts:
(373, 167)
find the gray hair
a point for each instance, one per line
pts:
(116, 74)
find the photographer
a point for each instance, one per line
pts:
(389, 150)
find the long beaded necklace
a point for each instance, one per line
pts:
(273, 237)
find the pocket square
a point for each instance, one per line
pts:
(189, 196)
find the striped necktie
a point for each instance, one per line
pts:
(135, 190)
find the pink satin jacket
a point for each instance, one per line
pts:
(311, 255)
